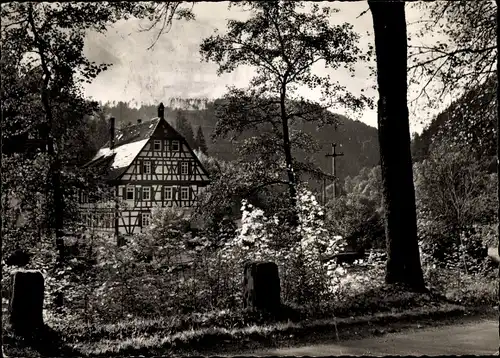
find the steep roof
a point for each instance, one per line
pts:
(129, 142)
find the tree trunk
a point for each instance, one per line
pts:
(498, 157)
(55, 166)
(403, 259)
(292, 182)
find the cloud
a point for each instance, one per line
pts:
(173, 68)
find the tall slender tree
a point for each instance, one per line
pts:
(283, 43)
(184, 128)
(201, 144)
(403, 259)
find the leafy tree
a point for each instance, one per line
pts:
(403, 260)
(231, 182)
(463, 62)
(201, 144)
(97, 133)
(455, 188)
(43, 50)
(185, 129)
(367, 183)
(358, 215)
(456, 202)
(282, 43)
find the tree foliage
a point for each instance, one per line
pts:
(282, 43)
(358, 214)
(43, 109)
(455, 188)
(185, 129)
(468, 124)
(200, 142)
(465, 51)
(231, 182)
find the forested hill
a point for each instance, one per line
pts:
(469, 123)
(358, 141)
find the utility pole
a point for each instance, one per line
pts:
(334, 154)
(323, 192)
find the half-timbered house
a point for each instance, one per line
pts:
(148, 164)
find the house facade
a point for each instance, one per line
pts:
(148, 164)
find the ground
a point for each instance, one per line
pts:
(476, 338)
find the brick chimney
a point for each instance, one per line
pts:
(112, 132)
(139, 121)
(161, 111)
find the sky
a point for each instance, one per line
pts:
(173, 67)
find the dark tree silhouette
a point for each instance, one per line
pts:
(185, 129)
(200, 141)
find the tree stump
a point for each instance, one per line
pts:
(26, 301)
(261, 287)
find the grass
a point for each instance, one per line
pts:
(210, 339)
(366, 311)
(367, 303)
(45, 343)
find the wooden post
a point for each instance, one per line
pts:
(26, 301)
(261, 285)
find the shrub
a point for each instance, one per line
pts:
(453, 249)
(489, 234)
(359, 219)
(299, 251)
(455, 188)
(174, 269)
(467, 289)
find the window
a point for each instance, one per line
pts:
(184, 167)
(168, 193)
(175, 145)
(146, 219)
(146, 167)
(184, 193)
(146, 193)
(130, 193)
(157, 145)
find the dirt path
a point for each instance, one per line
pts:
(477, 338)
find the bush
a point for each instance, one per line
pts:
(299, 251)
(464, 289)
(489, 234)
(455, 188)
(173, 269)
(358, 219)
(452, 249)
